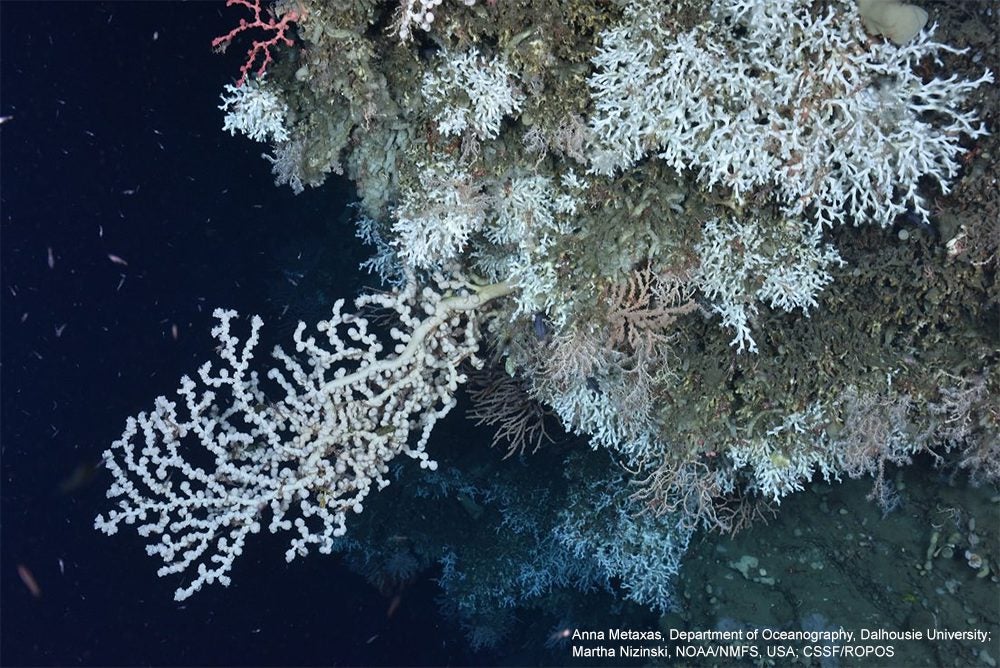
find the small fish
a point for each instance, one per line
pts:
(81, 476)
(393, 606)
(540, 327)
(560, 635)
(29, 580)
(51, 258)
(117, 260)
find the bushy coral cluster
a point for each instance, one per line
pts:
(305, 447)
(467, 92)
(643, 209)
(782, 96)
(256, 111)
(745, 262)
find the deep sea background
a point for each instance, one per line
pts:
(113, 146)
(126, 216)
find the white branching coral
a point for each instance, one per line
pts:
(254, 110)
(642, 550)
(789, 454)
(533, 213)
(743, 262)
(470, 92)
(306, 446)
(784, 109)
(521, 220)
(434, 221)
(591, 407)
(292, 165)
(769, 94)
(384, 261)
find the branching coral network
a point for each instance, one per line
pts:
(694, 234)
(260, 49)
